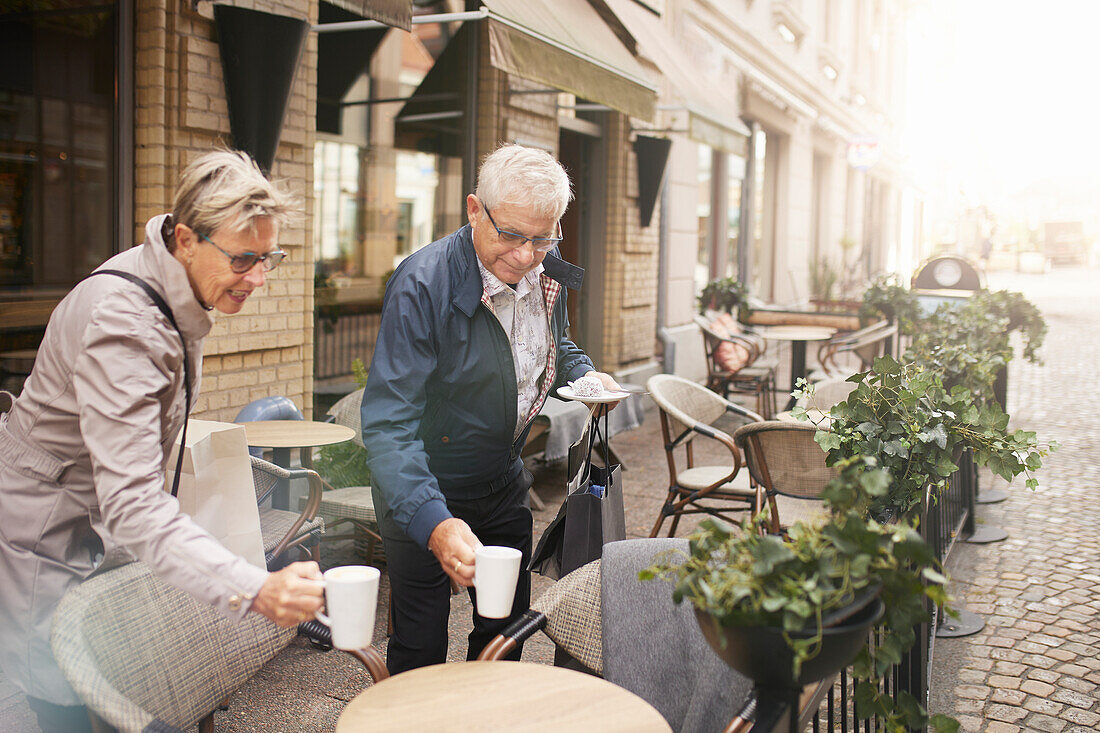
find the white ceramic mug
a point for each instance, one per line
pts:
(496, 572)
(351, 597)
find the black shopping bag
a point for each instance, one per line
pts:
(592, 512)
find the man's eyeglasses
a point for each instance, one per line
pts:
(242, 263)
(542, 245)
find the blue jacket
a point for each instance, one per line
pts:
(439, 409)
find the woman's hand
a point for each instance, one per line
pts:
(292, 595)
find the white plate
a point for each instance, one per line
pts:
(567, 392)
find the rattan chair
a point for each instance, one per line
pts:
(146, 656)
(789, 465)
(689, 410)
(865, 344)
(352, 505)
(755, 377)
(285, 530)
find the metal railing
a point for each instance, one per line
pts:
(943, 520)
(341, 333)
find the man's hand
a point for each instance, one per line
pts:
(453, 543)
(291, 595)
(609, 384)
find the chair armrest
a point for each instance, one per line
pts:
(372, 660)
(313, 503)
(321, 635)
(522, 629)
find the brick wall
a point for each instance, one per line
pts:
(267, 348)
(631, 274)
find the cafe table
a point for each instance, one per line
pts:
(498, 696)
(799, 336)
(284, 435)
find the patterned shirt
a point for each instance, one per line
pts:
(522, 315)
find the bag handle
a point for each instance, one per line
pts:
(158, 300)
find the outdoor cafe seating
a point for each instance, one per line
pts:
(145, 656)
(785, 461)
(689, 410)
(736, 361)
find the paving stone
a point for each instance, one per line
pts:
(1009, 668)
(1078, 685)
(1043, 675)
(1074, 669)
(999, 727)
(1076, 699)
(1005, 713)
(972, 692)
(970, 723)
(1003, 681)
(1043, 705)
(1081, 717)
(1037, 688)
(1045, 723)
(1008, 697)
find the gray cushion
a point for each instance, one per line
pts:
(654, 648)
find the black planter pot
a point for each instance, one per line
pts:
(762, 654)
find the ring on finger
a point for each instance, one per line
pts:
(458, 564)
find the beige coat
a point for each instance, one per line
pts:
(82, 459)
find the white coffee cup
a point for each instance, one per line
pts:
(496, 572)
(351, 597)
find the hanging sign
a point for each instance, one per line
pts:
(863, 153)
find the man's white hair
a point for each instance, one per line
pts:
(514, 175)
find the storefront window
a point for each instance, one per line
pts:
(703, 216)
(57, 156)
(733, 211)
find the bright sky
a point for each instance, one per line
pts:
(1004, 93)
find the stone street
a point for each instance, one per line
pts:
(1036, 664)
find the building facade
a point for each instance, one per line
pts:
(744, 137)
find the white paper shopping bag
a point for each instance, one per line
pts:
(216, 487)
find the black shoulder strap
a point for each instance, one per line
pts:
(159, 301)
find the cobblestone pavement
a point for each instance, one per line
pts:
(1036, 664)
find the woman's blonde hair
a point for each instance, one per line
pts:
(224, 189)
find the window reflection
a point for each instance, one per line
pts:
(57, 203)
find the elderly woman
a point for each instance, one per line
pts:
(83, 449)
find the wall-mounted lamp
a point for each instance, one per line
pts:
(830, 73)
(785, 32)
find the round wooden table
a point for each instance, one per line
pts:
(498, 696)
(283, 435)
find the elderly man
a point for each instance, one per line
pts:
(473, 339)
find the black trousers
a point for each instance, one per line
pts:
(421, 604)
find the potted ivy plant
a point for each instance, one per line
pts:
(744, 583)
(916, 428)
(725, 294)
(345, 464)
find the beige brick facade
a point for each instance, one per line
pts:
(180, 112)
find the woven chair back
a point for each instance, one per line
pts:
(783, 457)
(573, 617)
(265, 476)
(348, 412)
(827, 393)
(685, 403)
(143, 654)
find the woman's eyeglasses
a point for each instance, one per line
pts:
(242, 263)
(542, 245)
